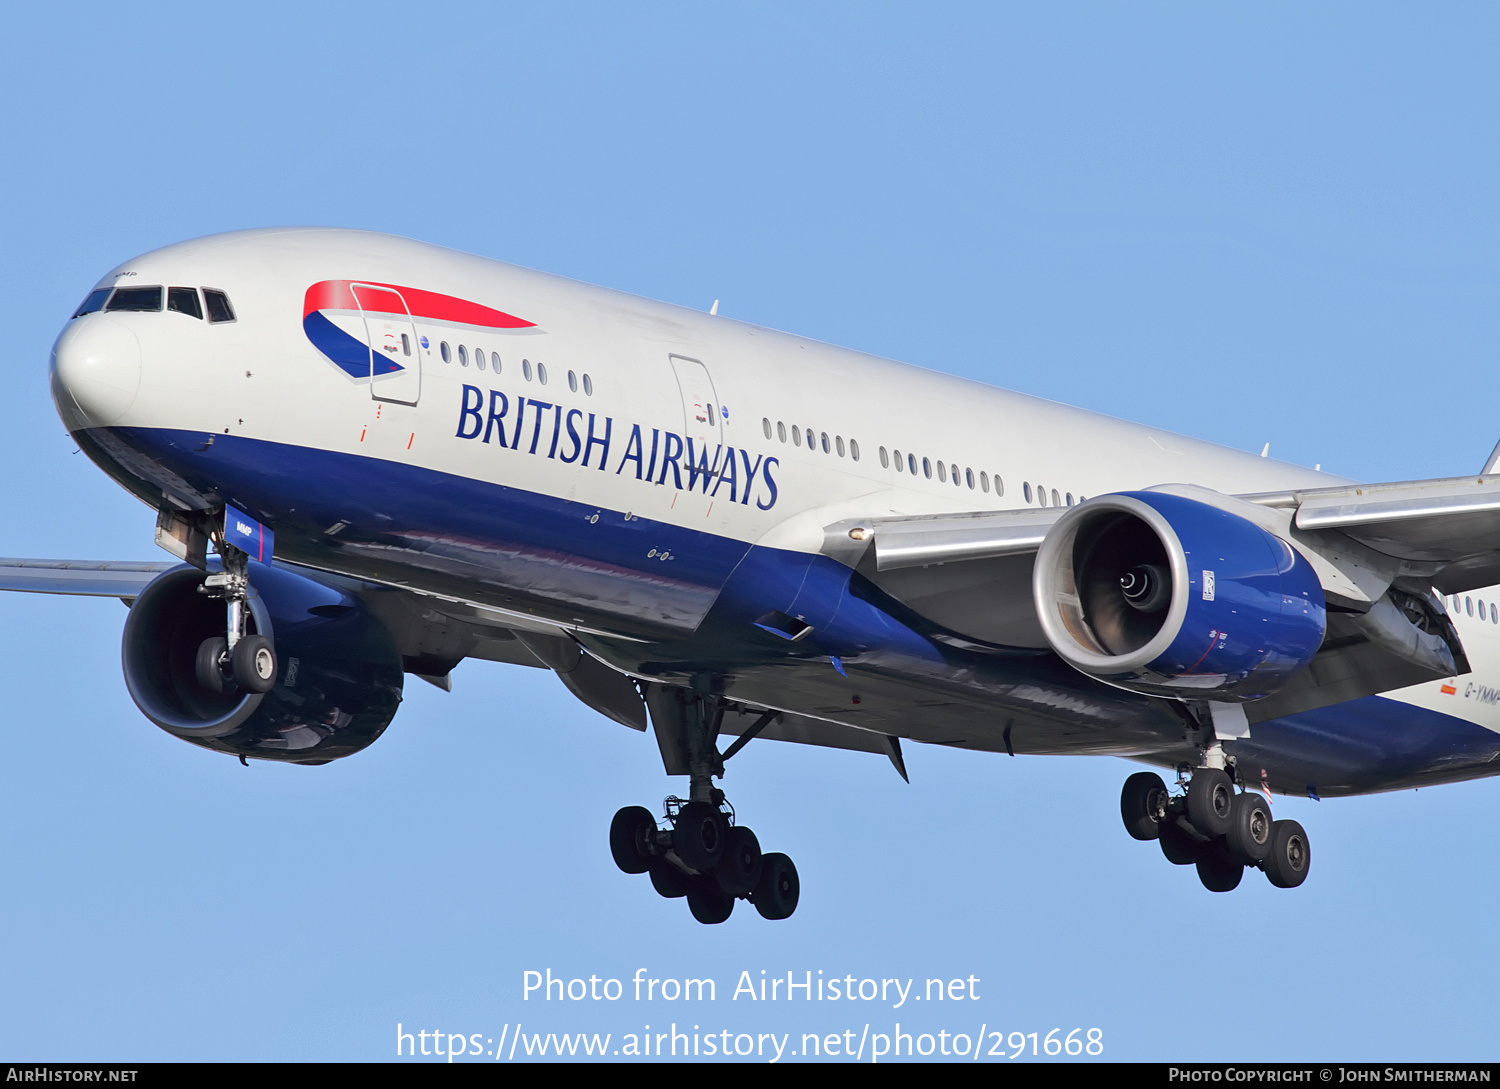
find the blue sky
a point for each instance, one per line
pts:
(1270, 223)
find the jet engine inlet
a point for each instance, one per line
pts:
(1169, 596)
(337, 688)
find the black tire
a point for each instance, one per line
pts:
(777, 892)
(1143, 804)
(1219, 870)
(629, 835)
(739, 866)
(668, 880)
(698, 836)
(1290, 856)
(1250, 828)
(1180, 848)
(207, 665)
(707, 901)
(253, 662)
(1210, 801)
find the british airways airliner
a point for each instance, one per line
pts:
(372, 457)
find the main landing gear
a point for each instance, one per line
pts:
(704, 857)
(1221, 832)
(702, 853)
(236, 660)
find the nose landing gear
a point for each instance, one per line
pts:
(238, 659)
(1220, 832)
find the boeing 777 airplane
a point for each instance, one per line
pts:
(372, 457)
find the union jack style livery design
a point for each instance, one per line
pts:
(370, 330)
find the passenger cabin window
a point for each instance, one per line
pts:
(135, 298)
(93, 303)
(217, 304)
(184, 300)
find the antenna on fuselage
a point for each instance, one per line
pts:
(713, 310)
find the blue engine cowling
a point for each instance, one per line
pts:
(337, 687)
(1172, 597)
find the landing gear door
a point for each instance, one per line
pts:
(703, 414)
(395, 361)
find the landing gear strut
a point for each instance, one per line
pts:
(697, 850)
(1221, 832)
(238, 659)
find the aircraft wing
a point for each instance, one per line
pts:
(124, 579)
(926, 539)
(1451, 523)
(1376, 548)
(1446, 530)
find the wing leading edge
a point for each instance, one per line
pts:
(87, 578)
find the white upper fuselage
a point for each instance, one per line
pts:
(260, 377)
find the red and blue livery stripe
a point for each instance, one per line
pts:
(388, 302)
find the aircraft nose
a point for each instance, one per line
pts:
(96, 371)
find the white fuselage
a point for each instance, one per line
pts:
(763, 395)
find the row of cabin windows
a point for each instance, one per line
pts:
(908, 463)
(143, 299)
(1040, 493)
(830, 445)
(493, 360)
(1466, 605)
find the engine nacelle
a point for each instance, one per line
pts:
(337, 688)
(1172, 597)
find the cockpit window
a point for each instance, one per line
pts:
(218, 305)
(184, 300)
(135, 298)
(94, 302)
